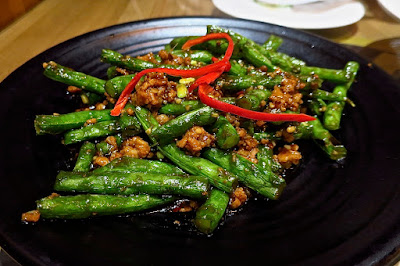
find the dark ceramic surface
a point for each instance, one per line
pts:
(330, 214)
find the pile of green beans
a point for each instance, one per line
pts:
(127, 185)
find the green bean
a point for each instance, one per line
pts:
(316, 131)
(179, 125)
(253, 99)
(116, 59)
(334, 75)
(131, 63)
(198, 166)
(281, 60)
(129, 123)
(273, 42)
(330, 145)
(217, 47)
(237, 69)
(327, 96)
(91, 98)
(168, 48)
(103, 147)
(238, 39)
(55, 124)
(334, 110)
(85, 157)
(180, 108)
(99, 129)
(266, 160)
(268, 135)
(266, 183)
(68, 76)
(196, 55)
(84, 206)
(226, 135)
(312, 82)
(248, 125)
(134, 165)
(188, 105)
(112, 72)
(127, 183)
(116, 85)
(147, 121)
(178, 42)
(257, 59)
(317, 106)
(238, 83)
(211, 212)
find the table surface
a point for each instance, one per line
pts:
(376, 36)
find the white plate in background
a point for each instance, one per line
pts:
(391, 6)
(288, 2)
(331, 14)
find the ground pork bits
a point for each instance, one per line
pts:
(155, 90)
(195, 139)
(166, 59)
(286, 96)
(163, 118)
(134, 147)
(288, 155)
(238, 198)
(31, 216)
(170, 59)
(247, 146)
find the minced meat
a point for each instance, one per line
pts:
(288, 155)
(286, 96)
(163, 118)
(247, 146)
(148, 58)
(155, 90)
(31, 216)
(166, 59)
(238, 198)
(170, 59)
(134, 147)
(196, 139)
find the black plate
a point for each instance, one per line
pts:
(329, 214)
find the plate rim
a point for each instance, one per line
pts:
(386, 5)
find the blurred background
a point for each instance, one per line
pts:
(29, 27)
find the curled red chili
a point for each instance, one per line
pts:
(218, 67)
(206, 75)
(123, 98)
(204, 89)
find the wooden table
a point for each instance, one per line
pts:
(376, 36)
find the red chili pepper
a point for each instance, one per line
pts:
(207, 75)
(198, 72)
(214, 59)
(206, 79)
(212, 36)
(219, 67)
(204, 89)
